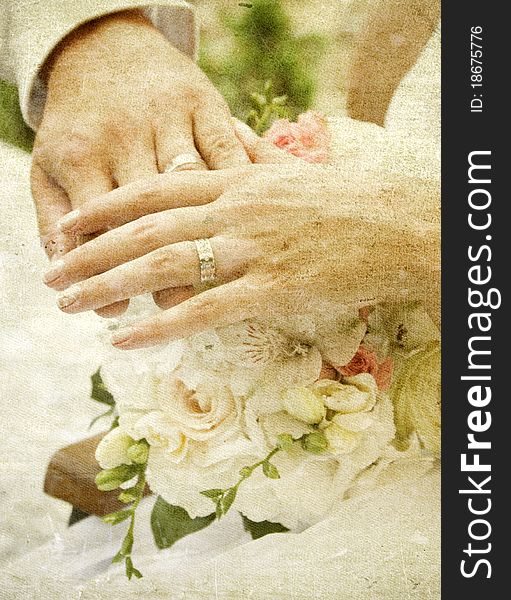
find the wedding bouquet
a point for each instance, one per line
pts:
(280, 421)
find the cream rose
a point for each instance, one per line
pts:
(201, 414)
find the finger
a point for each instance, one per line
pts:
(173, 296)
(174, 142)
(175, 138)
(163, 192)
(128, 242)
(83, 183)
(130, 163)
(176, 265)
(217, 307)
(215, 137)
(134, 163)
(260, 150)
(51, 203)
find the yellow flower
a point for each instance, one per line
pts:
(303, 404)
(358, 393)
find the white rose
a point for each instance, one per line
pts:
(207, 465)
(208, 411)
(160, 431)
(112, 450)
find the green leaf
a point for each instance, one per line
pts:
(171, 523)
(228, 500)
(127, 544)
(130, 569)
(117, 517)
(213, 494)
(270, 470)
(13, 129)
(119, 557)
(260, 529)
(99, 391)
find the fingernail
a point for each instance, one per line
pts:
(54, 272)
(66, 298)
(68, 221)
(122, 335)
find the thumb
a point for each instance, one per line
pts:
(260, 150)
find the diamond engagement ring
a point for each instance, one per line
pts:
(206, 260)
(185, 162)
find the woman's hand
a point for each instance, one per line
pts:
(122, 103)
(287, 239)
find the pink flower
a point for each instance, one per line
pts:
(308, 138)
(365, 361)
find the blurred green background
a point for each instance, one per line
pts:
(301, 46)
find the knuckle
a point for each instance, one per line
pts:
(76, 149)
(190, 94)
(161, 261)
(43, 153)
(203, 305)
(222, 144)
(123, 130)
(145, 229)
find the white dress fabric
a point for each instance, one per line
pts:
(379, 545)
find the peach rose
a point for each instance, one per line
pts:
(308, 138)
(365, 361)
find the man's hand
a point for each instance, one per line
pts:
(122, 103)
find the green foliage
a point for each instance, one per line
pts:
(171, 523)
(99, 391)
(13, 129)
(100, 394)
(266, 108)
(263, 48)
(260, 529)
(111, 479)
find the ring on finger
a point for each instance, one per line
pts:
(185, 162)
(207, 262)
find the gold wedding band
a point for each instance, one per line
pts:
(185, 161)
(207, 261)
